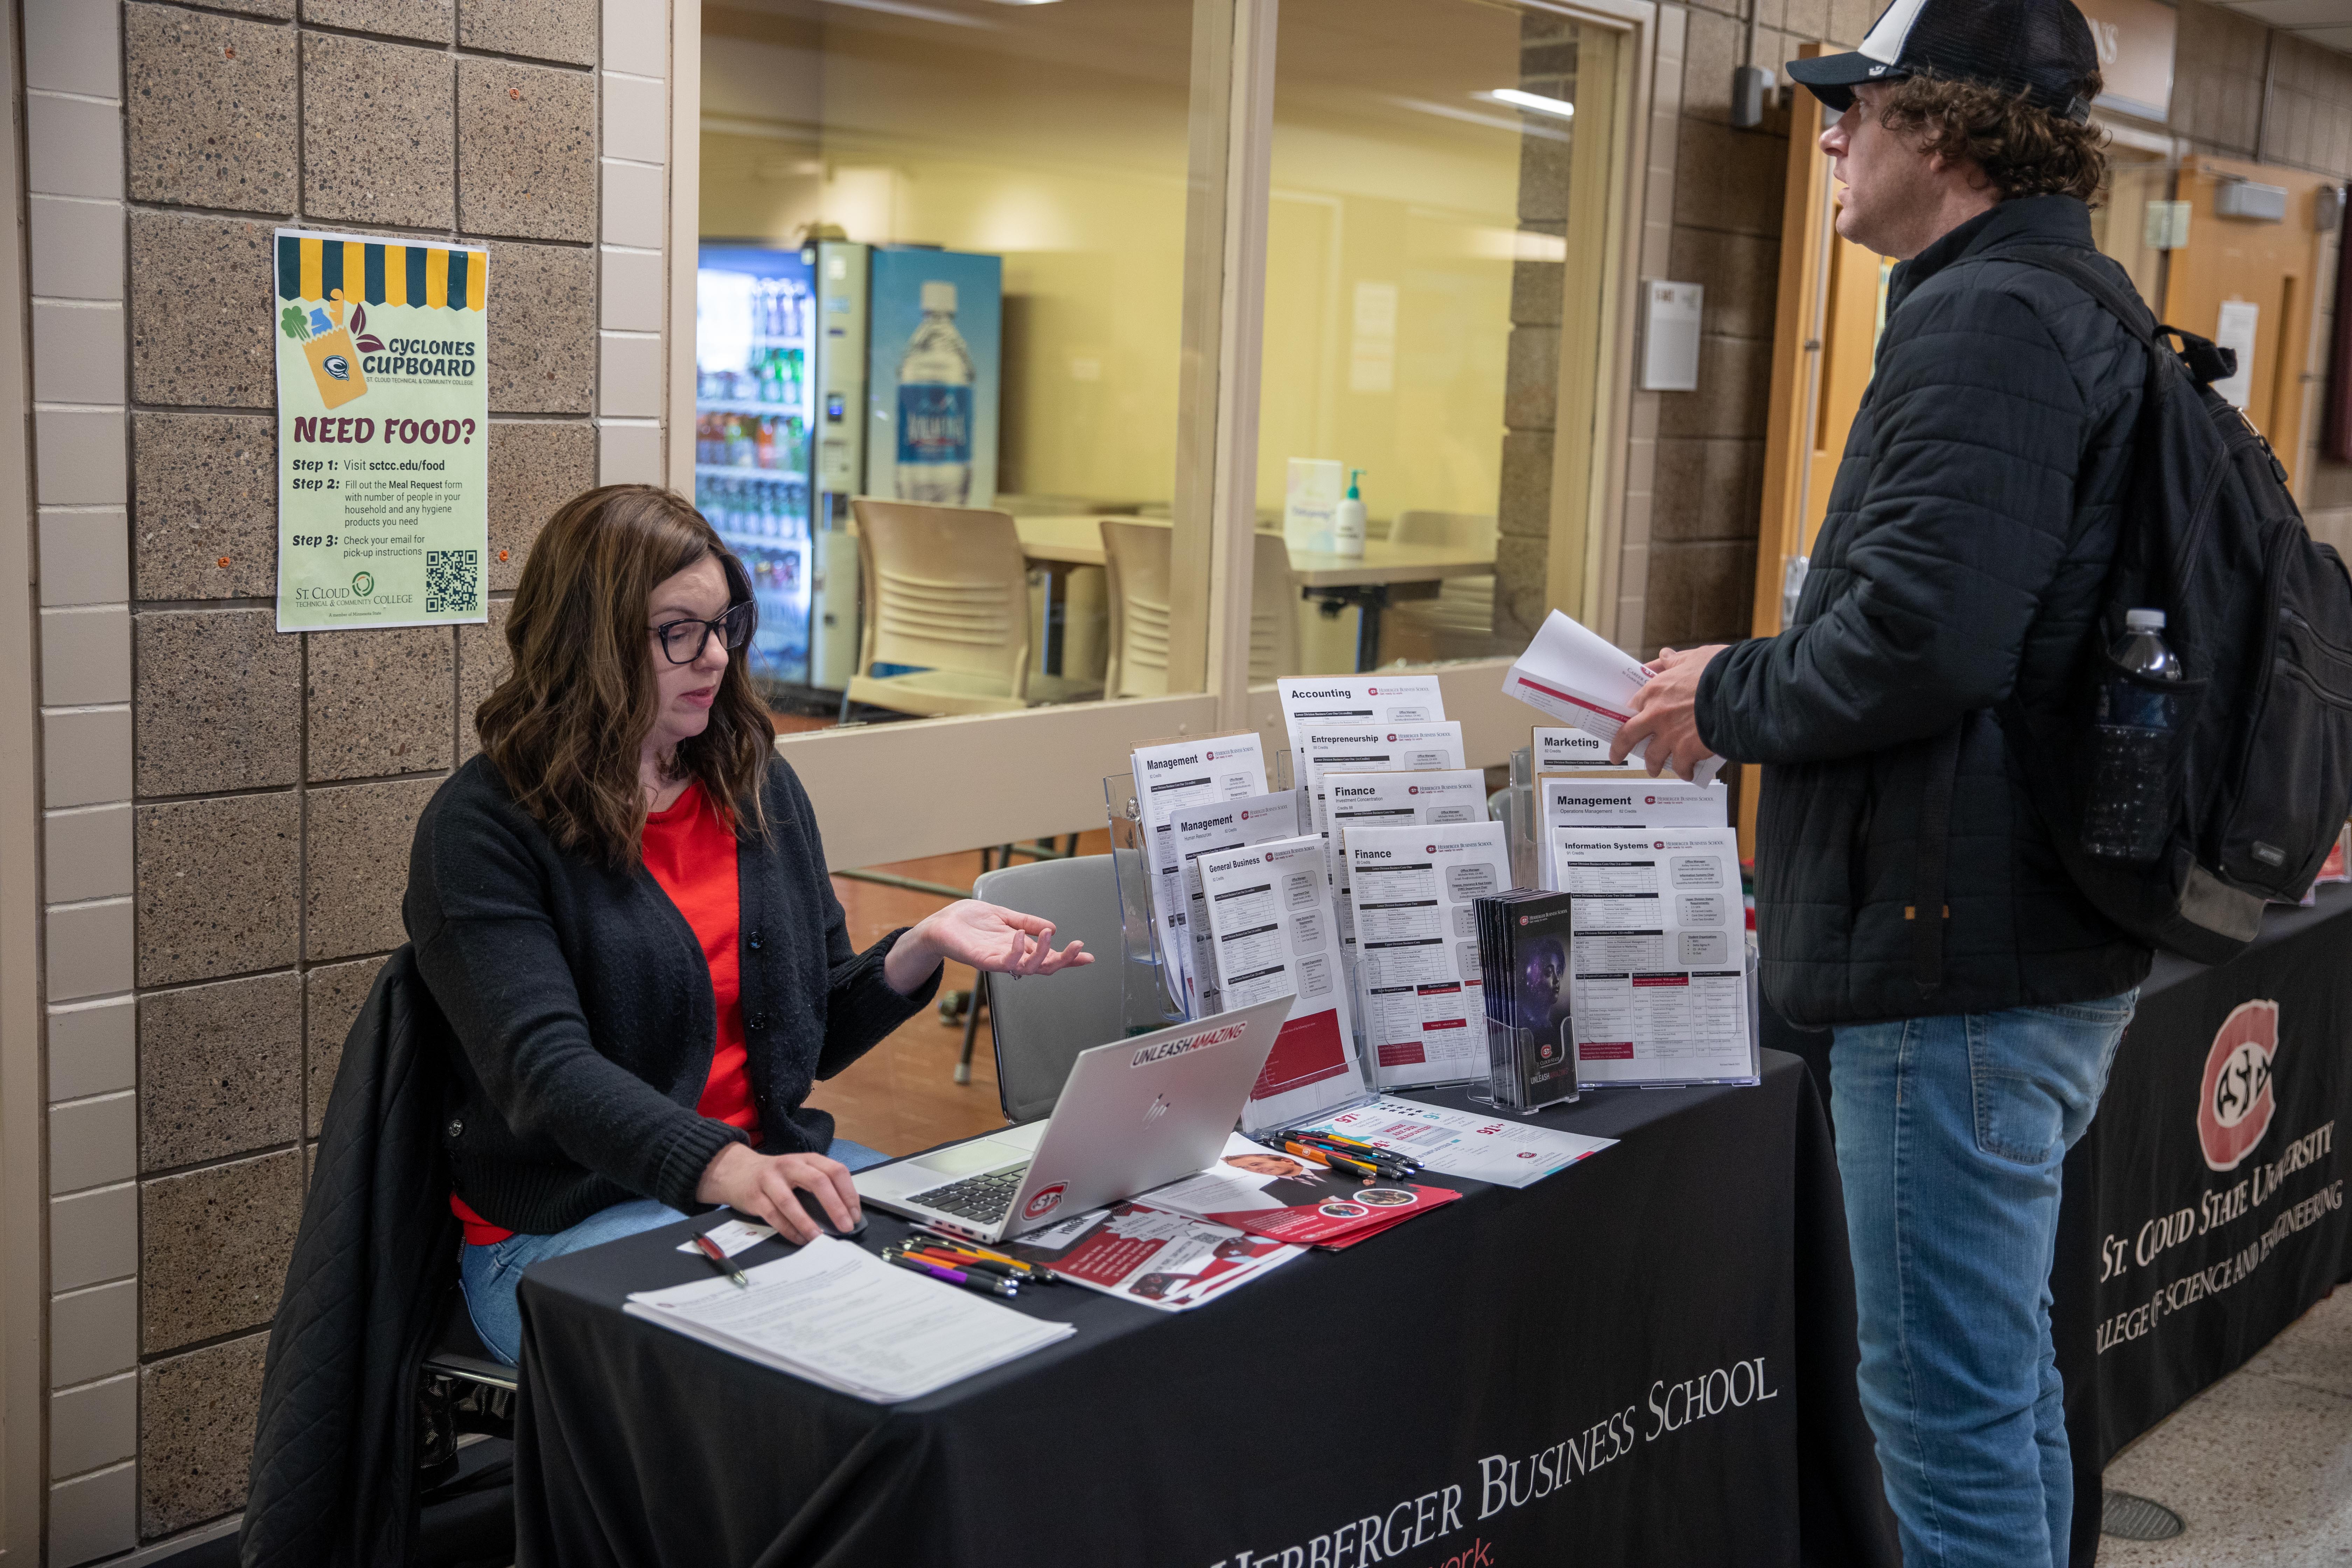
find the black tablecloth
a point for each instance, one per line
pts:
(1431, 1389)
(2174, 1266)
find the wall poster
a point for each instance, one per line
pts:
(382, 433)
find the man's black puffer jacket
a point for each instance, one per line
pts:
(1969, 535)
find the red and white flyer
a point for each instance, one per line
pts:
(1155, 1258)
(1287, 1198)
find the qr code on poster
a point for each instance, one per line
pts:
(452, 581)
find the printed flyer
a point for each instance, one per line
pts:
(382, 433)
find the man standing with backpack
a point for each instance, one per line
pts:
(1909, 895)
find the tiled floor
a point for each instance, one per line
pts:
(2260, 1465)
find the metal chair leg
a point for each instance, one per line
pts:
(971, 1027)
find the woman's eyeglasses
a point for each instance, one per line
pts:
(682, 642)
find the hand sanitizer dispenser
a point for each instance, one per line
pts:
(1347, 523)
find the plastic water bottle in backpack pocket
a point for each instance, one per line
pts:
(2142, 713)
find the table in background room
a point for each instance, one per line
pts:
(2204, 1209)
(1669, 1323)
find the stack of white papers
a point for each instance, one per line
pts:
(840, 1316)
(1422, 987)
(1168, 777)
(1583, 680)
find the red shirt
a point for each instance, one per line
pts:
(690, 851)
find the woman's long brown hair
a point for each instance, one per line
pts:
(566, 727)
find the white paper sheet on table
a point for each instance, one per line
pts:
(1657, 954)
(1169, 776)
(840, 1316)
(1583, 680)
(1487, 1147)
(1418, 976)
(732, 1236)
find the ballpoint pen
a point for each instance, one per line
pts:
(720, 1260)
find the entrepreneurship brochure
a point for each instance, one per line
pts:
(1204, 829)
(1169, 776)
(1479, 1145)
(1270, 908)
(1153, 1256)
(1267, 1193)
(1638, 802)
(1658, 952)
(1584, 681)
(1357, 701)
(1401, 748)
(1417, 964)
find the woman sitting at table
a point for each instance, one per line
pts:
(623, 909)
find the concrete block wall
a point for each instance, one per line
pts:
(228, 809)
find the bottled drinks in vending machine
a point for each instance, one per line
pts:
(935, 381)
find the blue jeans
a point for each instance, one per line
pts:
(1951, 1135)
(490, 1272)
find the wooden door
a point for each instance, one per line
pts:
(2230, 264)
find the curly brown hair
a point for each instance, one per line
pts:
(565, 728)
(2023, 149)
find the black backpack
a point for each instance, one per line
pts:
(2258, 778)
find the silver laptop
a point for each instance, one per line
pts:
(1132, 1116)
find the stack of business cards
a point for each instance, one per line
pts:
(1523, 950)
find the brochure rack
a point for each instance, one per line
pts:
(1519, 821)
(1145, 977)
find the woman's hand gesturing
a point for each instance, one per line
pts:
(985, 936)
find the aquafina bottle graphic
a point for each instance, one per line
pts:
(935, 407)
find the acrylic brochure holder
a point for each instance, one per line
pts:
(1149, 998)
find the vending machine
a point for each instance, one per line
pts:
(908, 352)
(755, 306)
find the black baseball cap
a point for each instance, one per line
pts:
(2041, 49)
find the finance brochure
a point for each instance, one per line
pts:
(1608, 802)
(1375, 749)
(1356, 701)
(1584, 681)
(1657, 953)
(1417, 965)
(1448, 795)
(1204, 829)
(1270, 907)
(840, 1316)
(1169, 776)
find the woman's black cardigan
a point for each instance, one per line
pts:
(581, 1004)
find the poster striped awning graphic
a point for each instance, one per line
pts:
(381, 273)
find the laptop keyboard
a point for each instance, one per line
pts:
(982, 1199)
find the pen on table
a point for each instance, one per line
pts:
(1033, 1271)
(720, 1260)
(959, 1256)
(947, 1260)
(982, 1283)
(1352, 1145)
(1334, 1159)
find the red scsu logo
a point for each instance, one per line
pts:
(1431, 850)
(1044, 1202)
(2235, 1104)
(1658, 843)
(1413, 789)
(1649, 800)
(1371, 692)
(1391, 740)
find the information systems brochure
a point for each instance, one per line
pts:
(1417, 947)
(1204, 829)
(1583, 680)
(1658, 984)
(1638, 802)
(1356, 701)
(840, 1316)
(1480, 1146)
(1270, 907)
(1169, 776)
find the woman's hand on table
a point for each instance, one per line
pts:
(985, 936)
(768, 1186)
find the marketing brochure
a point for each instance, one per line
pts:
(1572, 801)
(1270, 909)
(1286, 1197)
(1222, 825)
(1583, 680)
(837, 1315)
(1417, 967)
(1477, 1145)
(1658, 988)
(1149, 1255)
(1169, 776)
(1357, 701)
(1549, 750)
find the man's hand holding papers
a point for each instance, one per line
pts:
(1664, 713)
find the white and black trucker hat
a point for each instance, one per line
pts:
(2041, 49)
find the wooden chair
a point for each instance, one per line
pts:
(1135, 557)
(946, 594)
(1459, 622)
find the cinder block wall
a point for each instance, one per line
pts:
(228, 809)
